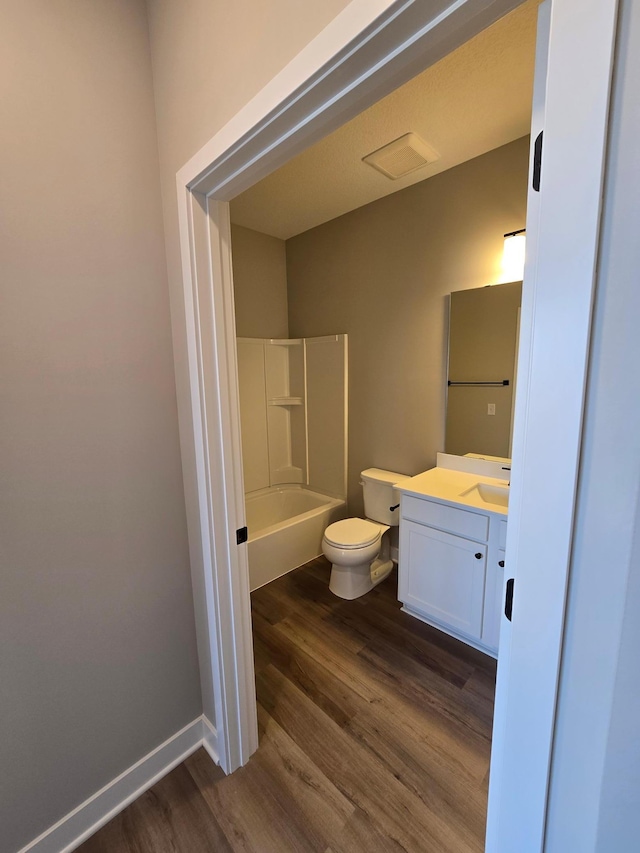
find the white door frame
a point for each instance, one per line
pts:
(368, 50)
(563, 225)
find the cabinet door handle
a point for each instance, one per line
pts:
(501, 563)
(478, 556)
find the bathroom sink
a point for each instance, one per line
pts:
(489, 493)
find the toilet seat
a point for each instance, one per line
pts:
(353, 533)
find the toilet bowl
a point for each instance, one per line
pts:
(359, 548)
(353, 547)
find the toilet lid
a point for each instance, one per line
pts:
(352, 533)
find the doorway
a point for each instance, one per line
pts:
(315, 252)
(404, 40)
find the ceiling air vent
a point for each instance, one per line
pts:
(403, 155)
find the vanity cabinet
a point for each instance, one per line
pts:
(449, 568)
(452, 591)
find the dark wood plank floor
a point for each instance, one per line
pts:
(374, 736)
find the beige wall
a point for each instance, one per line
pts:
(382, 274)
(260, 284)
(98, 658)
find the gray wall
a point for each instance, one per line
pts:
(98, 659)
(260, 284)
(595, 779)
(382, 274)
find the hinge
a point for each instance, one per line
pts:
(537, 161)
(242, 535)
(508, 601)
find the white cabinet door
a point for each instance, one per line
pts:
(443, 576)
(495, 600)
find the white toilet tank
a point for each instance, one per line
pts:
(380, 496)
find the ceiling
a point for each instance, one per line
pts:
(472, 101)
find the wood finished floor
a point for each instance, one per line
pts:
(374, 736)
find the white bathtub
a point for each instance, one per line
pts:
(286, 525)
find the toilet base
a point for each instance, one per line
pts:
(380, 570)
(353, 581)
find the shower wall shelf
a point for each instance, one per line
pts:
(293, 412)
(286, 401)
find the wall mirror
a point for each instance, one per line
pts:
(483, 344)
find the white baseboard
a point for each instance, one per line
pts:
(88, 817)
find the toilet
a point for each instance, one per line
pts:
(359, 548)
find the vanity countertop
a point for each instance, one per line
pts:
(460, 488)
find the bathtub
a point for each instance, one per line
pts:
(286, 525)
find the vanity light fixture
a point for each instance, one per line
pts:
(513, 256)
